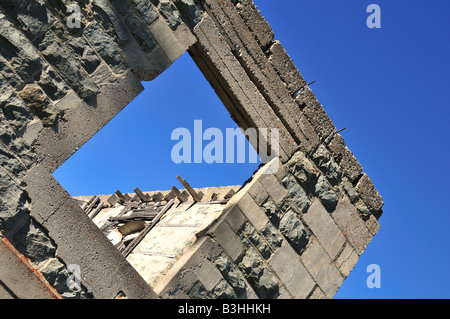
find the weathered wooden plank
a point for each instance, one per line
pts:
(158, 197)
(92, 204)
(96, 210)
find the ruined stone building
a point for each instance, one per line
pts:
(295, 229)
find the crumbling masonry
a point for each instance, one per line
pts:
(295, 232)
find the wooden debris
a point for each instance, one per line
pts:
(97, 210)
(229, 194)
(131, 227)
(143, 197)
(196, 196)
(92, 204)
(182, 196)
(113, 199)
(147, 229)
(158, 197)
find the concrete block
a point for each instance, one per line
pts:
(235, 218)
(253, 212)
(294, 231)
(275, 189)
(373, 225)
(256, 22)
(320, 266)
(71, 100)
(292, 273)
(370, 195)
(248, 97)
(285, 67)
(352, 226)
(208, 275)
(347, 161)
(315, 113)
(258, 192)
(324, 228)
(79, 241)
(346, 260)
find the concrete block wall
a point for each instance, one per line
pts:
(291, 232)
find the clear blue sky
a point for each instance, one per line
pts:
(389, 87)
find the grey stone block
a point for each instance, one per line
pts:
(347, 260)
(146, 11)
(170, 13)
(33, 242)
(273, 212)
(232, 275)
(255, 270)
(272, 236)
(258, 192)
(352, 226)
(19, 51)
(326, 194)
(105, 47)
(13, 108)
(324, 160)
(190, 12)
(110, 20)
(66, 65)
(296, 192)
(285, 67)
(304, 171)
(257, 240)
(294, 231)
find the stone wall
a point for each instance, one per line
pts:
(60, 85)
(293, 231)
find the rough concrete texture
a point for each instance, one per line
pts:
(59, 85)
